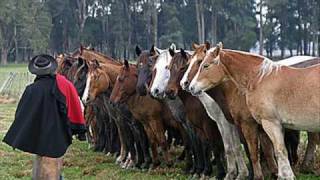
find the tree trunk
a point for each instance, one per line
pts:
(202, 21)
(198, 20)
(305, 41)
(4, 56)
(261, 29)
(16, 45)
(155, 22)
(214, 25)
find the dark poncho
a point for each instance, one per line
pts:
(47, 116)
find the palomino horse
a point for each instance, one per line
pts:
(274, 94)
(228, 131)
(153, 114)
(145, 63)
(236, 103)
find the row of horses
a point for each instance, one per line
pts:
(212, 101)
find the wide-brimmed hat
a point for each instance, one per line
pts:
(42, 64)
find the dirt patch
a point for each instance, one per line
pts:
(7, 100)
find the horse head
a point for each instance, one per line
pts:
(161, 73)
(125, 84)
(145, 62)
(97, 81)
(203, 80)
(177, 68)
(194, 64)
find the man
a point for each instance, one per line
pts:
(47, 116)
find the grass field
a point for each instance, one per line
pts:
(79, 162)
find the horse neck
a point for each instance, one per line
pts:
(242, 68)
(112, 70)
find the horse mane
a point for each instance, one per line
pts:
(267, 66)
(109, 58)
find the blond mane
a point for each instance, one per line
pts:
(267, 66)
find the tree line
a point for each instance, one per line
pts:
(114, 27)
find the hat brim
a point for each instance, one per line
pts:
(43, 71)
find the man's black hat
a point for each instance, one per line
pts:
(42, 65)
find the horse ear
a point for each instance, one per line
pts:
(81, 49)
(138, 51)
(195, 46)
(126, 64)
(183, 53)
(152, 50)
(173, 47)
(218, 48)
(220, 45)
(171, 51)
(207, 45)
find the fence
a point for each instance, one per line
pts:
(12, 84)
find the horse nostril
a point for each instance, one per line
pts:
(186, 83)
(191, 88)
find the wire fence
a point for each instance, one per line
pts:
(12, 84)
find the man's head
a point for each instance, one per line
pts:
(43, 64)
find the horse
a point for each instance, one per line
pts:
(153, 114)
(273, 93)
(145, 63)
(229, 132)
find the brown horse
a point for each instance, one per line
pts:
(153, 114)
(196, 114)
(266, 86)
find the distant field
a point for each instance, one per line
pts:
(14, 68)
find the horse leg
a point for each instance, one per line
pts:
(159, 131)
(237, 150)
(250, 133)
(225, 129)
(268, 152)
(274, 130)
(144, 144)
(207, 156)
(153, 144)
(292, 138)
(308, 161)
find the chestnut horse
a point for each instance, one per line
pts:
(153, 115)
(273, 93)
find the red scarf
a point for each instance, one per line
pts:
(72, 100)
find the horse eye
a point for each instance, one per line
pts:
(205, 66)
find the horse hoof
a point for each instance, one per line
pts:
(204, 177)
(230, 176)
(196, 176)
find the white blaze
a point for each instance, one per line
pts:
(86, 90)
